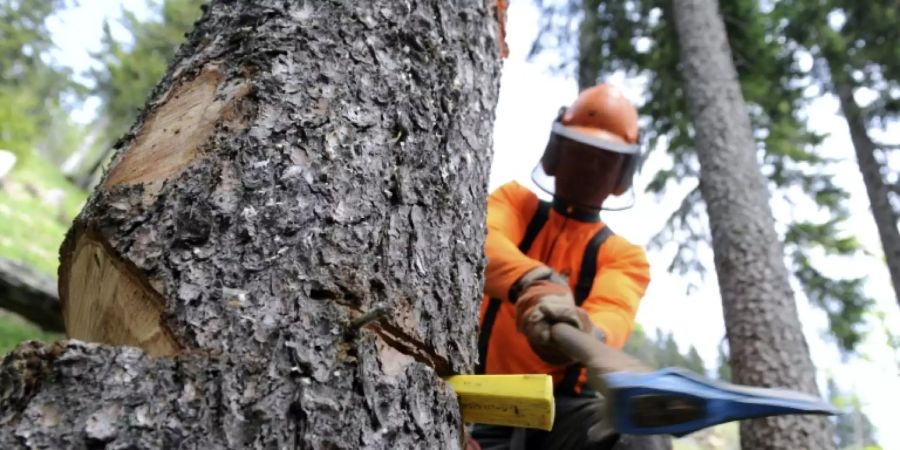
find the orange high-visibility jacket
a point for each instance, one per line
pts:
(607, 274)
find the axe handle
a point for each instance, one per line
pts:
(592, 353)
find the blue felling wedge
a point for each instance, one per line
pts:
(678, 402)
(671, 401)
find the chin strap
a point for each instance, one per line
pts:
(576, 212)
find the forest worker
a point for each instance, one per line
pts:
(557, 261)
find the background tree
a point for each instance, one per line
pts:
(598, 38)
(131, 67)
(765, 339)
(36, 203)
(298, 165)
(32, 90)
(854, 45)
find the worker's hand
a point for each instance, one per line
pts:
(532, 276)
(541, 304)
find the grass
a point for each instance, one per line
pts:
(32, 227)
(14, 329)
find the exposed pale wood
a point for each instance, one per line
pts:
(173, 134)
(107, 303)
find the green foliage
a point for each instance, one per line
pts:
(663, 351)
(840, 299)
(24, 39)
(854, 45)
(637, 37)
(14, 330)
(36, 202)
(131, 70)
(891, 336)
(724, 371)
(31, 89)
(37, 205)
(853, 429)
(862, 50)
(18, 130)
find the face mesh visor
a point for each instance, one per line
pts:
(547, 182)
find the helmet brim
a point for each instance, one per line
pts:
(597, 138)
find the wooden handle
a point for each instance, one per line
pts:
(592, 353)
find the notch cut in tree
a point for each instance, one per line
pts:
(299, 163)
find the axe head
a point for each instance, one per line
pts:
(678, 402)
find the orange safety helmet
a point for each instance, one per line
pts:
(603, 118)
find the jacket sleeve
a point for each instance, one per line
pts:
(619, 285)
(509, 210)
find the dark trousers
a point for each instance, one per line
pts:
(580, 424)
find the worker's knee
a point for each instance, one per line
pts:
(581, 423)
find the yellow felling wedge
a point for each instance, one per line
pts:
(511, 400)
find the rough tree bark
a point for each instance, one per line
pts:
(765, 339)
(877, 190)
(30, 294)
(300, 163)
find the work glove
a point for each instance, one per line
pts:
(541, 304)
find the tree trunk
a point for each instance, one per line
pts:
(299, 164)
(588, 68)
(885, 217)
(30, 294)
(764, 334)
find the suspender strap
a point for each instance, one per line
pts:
(589, 265)
(484, 336)
(585, 282)
(490, 316)
(535, 226)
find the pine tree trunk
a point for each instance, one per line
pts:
(300, 164)
(882, 211)
(764, 334)
(588, 70)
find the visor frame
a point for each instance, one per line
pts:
(599, 139)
